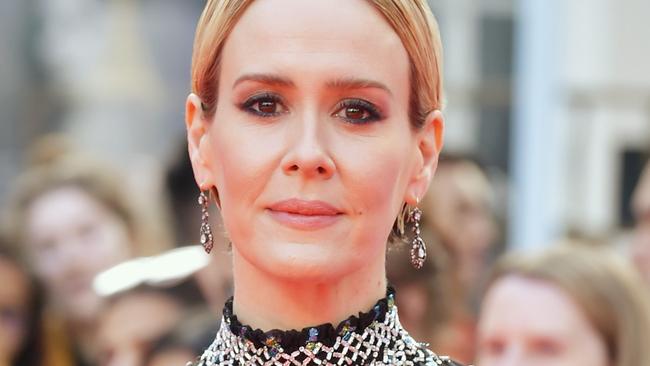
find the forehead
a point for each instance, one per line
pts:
(62, 202)
(316, 36)
(526, 306)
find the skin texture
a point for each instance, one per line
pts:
(311, 148)
(534, 323)
(14, 300)
(71, 237)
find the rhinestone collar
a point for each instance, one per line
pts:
(374, 338)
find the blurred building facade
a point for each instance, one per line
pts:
(556, 94)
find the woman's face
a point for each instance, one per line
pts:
(531, 322)
(311, 148)
(71, 237)
(14, 310)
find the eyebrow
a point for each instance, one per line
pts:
(340, 83)
(274, 80)
(355, 83)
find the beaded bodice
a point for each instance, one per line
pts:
(373, 338)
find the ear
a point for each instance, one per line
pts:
(429, 144)
(197, 136)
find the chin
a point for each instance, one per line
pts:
(293, 261)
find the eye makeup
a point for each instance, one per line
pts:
(355, 111)
(358, 111)
(264, 105)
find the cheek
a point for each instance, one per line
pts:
(375, 173)
(243, 159)
(112, 239)
(374, 177)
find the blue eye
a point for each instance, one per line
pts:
(357, 111)
(264, 105)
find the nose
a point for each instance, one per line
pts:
(307, 155)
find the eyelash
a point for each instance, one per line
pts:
(247, 106)
(364, 106)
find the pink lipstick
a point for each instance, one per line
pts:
(304, 215)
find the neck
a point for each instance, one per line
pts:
(269, 302)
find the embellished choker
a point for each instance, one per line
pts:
(372, 338)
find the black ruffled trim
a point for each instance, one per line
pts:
(292, 340)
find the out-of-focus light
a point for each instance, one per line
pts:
(160, 270)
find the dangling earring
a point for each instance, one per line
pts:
(206, 231)
(418, 248)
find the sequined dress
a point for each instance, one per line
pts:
(374, 338)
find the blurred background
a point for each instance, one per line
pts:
(548, 132)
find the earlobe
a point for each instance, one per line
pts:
(195, 124)
(430, 141)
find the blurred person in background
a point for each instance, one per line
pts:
(21, 309)
(463, 231)
(215, 279)
(133, 322)
(424, 304)
(155, 309)
(641, 210)
(567, 306)
(185, 341)
(460, 215)
(72, 218)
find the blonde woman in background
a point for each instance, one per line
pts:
(567, 306)
(459, 216)
(72, 218)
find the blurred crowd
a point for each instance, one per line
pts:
(70, 218)
(77, 213)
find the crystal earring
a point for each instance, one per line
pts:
(418, 248)
(206, 231)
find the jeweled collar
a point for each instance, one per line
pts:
(291, 340)
(374, 338)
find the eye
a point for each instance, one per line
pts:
(547, 347)
(264, 105)
(358, 111)
(493, 347)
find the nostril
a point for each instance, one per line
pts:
(321, 170)
(293, 168)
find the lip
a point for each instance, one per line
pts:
(304, 215)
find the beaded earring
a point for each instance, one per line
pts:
(206, 237)
(418, 248)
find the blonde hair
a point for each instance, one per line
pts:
(94, 177)
(412, 20)
(609, 293)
